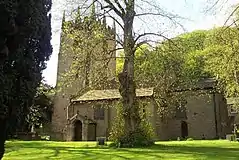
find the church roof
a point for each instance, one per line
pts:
(94, 95)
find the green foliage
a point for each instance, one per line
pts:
(217, 58)
(116, 130)
(142, 136)
(42, 107)
(136, 138)
(222, 59)
(174, 62)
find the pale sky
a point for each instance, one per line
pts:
(192, 10)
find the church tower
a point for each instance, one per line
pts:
(87, 60)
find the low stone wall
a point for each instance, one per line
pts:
(27, 136)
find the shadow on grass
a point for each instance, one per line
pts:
(65, 152)
(158, 151)
(212, 153)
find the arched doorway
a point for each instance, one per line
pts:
(78, 131)
(184, 129)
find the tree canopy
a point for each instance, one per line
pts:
(188, 58)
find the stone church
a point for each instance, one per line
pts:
(92, 113)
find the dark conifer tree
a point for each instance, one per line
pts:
(25, 35)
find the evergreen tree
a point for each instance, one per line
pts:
(25, 35)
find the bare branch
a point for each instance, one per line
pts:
(147, 41)
(156, 10)
(213, 6)
(171, 17)
(120, 7)
(112, 6)
(234, 11)
(107, 14)
(158, 14)
(138, 45)
(148, 34)
(88, 6)
(231, 24)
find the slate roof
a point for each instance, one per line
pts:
(95, 95)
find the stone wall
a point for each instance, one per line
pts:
(201, 116)
(201, 110)
(87, 110)
(201, 120)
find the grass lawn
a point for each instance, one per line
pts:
(174, 150)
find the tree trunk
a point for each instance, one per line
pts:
(127, 90)
(3, 125)
(126, 78)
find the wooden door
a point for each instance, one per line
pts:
(91, 132)
(78, 131)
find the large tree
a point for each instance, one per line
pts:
(25, 35)
(124, 13)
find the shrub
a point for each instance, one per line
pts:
(141, 136)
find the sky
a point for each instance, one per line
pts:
(195, 15)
